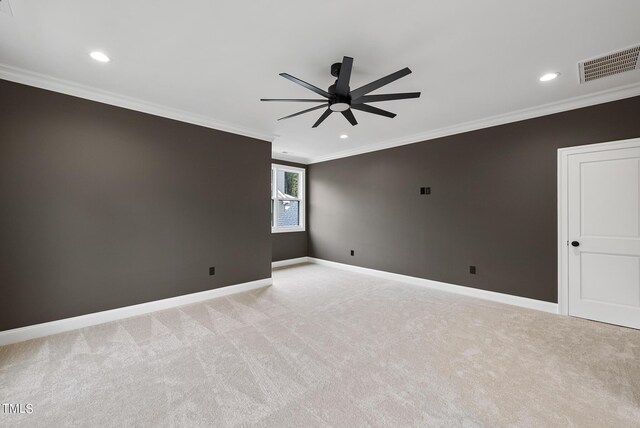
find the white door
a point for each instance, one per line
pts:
(603, 214)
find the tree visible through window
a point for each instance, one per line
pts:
(291, 183)
(287, 198)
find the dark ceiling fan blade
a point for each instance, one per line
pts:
(350, 117)
(385, 97)
(372, 109)
(294, 100)
(322, 118)
(306, 85)
(304, 111)
(363, 90)
(342, 85)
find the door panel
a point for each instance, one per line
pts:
(606, 278)
(610, 198)
(604, 218)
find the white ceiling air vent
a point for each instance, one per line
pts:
(609, 64)
(5, 7)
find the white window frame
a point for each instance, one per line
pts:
(301, 198)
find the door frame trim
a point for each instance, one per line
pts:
(563, 215)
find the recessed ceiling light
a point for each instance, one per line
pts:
(549, 76)
(344, 136)
(99, 56)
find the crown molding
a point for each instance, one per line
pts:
(289, 158)
(609, 95)
(42, 81)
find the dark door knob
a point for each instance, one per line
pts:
(575, 243)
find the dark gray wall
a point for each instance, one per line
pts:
(493, 202)
(291, 245)
(103, 207)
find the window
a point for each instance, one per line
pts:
(287, 199)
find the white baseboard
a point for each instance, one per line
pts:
(290, 262)
(67, 324)
(46, 329)
(443, 286)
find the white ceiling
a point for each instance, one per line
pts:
(477, 63)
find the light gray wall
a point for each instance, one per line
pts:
(103, 207)
(492, 203)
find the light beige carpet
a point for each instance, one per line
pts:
(325, 347)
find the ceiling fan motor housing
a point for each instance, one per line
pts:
(337, 102)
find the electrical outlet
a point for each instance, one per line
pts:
(212, 271)
(427, 190)
(353, 253)
(423, 190)
(472, 270)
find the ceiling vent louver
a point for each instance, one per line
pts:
(610, 64)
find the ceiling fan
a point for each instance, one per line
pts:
(340, 98)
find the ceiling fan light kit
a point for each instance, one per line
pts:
(340, 98)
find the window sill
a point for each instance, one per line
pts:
(285, 230)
